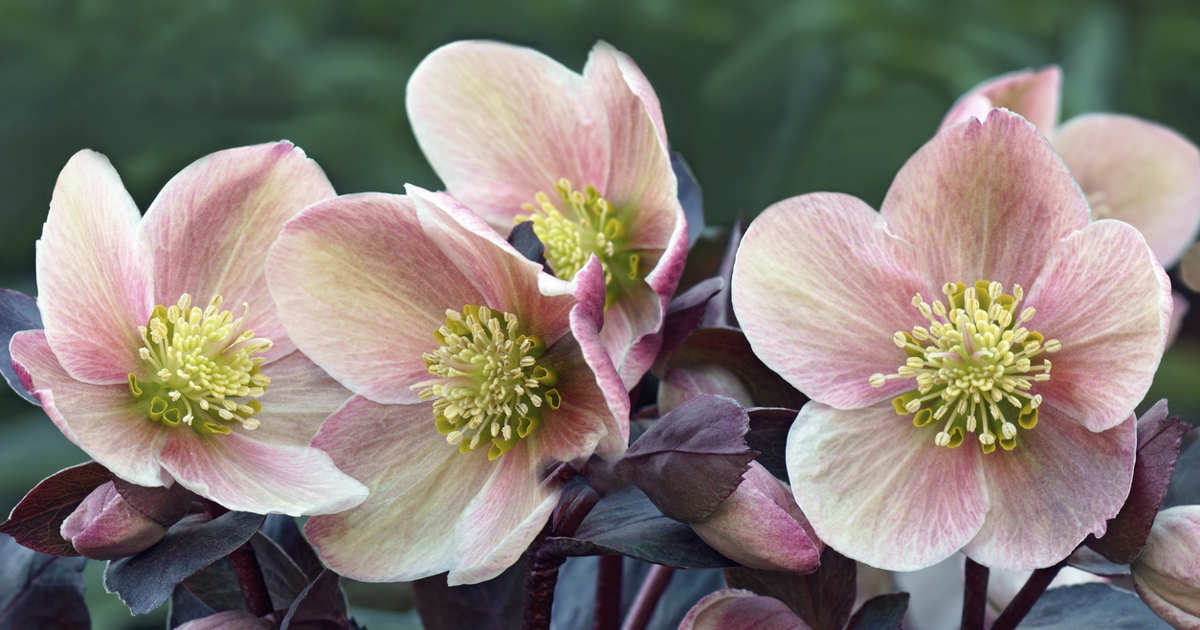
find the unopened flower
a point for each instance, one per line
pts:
(516, 136)
(761, 527)
(737, 609)
(1167, 573)
(104, 526)
(162, 357)
(973, 353)
(475, 372)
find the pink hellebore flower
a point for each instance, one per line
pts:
(1130, 169)
(833, 296)
(475, 373)
(141, 366)
(737, 609)
(761, 527)
(1167, 573)
(516, 136)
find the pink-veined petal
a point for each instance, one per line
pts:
(586, 319)
(1139, 172)
(100, 419)
(301, 395)
(985, 201)
(879, 490)
(1034, 94)
(94, 284)
(820, 287)
(636, 81)
(1166, 573)
(210, 228)
(361, 288)
(1061, 483)
(500, 123)
(420, 485)
(1104, 296)
(500, 522)
(631, 332)
(737, 609)
(245, 474)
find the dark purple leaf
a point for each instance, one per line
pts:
(626, 522)
(146, 580)
(17, 312)
(285, 579)
(35, 521)
(683, 316)
(728, 348)
(690, 196)
(768, 432)
(39, 590)
(823, 599)
(883, 612)
(527, 243)
(321, 606)
(497, 604)
(185, 606)
(720, 309)
(692, 459)
(1158, 439)
(1097, 606)
(283, 530)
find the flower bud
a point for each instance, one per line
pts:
(761, 527)
(227, 620)
(682, 382)
(736, 609)
(1167, 573)
(104, 526)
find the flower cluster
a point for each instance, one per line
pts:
(452, 383)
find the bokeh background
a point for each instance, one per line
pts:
(765, 99)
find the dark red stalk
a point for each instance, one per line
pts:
(647, 597)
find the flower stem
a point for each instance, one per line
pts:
(608, 594)
(539, 586)
(1026, 597)
(975, 582)
(249, 573)
(647, 597)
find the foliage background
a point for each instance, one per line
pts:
(765, 98)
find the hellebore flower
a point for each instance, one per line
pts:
(1130, 169)
(105, 526)
(761, 527)
(475, 373)
(1167, 573)
(516, 136)
(737, 609)
(833, 296)
(141, 365)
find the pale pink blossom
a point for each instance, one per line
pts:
(141, 365)
(924, 335)
(517, 136)
(475, 374)
(1167, 573)
(737, 609)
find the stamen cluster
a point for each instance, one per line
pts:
(490, 384)
(200, 362)
(590, 226)
(974, 365)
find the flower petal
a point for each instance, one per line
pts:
(211, 226)
(631, 334)
(94, 285)
(1061, 483)
(985, 201)
(301, 395)
(227, 620)
(1139, 172)
(737, 609)
(419, 485)
(499, 123)
(361, 288)
(879, 491)
(1166, 573)
(1033, 94)
(248, 475)
(820, 288)
(501, 521)
(100, 419)
(1105, 297)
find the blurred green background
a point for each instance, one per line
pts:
(766, 99)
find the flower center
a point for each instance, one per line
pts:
(200, 363)
(489, 382)
(974, 366)
(589, 225)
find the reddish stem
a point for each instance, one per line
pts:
(975, 582)
(608, 594)
(647, 597)
(1026, 597)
